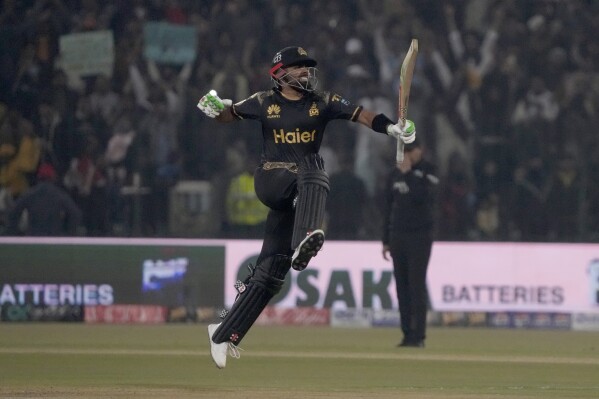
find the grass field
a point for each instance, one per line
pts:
(172, 361)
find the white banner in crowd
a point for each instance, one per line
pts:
(169, 43)
(480, 277)
(87, 53)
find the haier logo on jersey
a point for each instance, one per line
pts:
(294, 137)
(273, 111)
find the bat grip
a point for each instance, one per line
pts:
(400, 144)
(399, 154)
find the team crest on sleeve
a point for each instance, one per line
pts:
(337, 97)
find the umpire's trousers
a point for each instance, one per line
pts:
(411, 253)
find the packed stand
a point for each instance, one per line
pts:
(505, 96)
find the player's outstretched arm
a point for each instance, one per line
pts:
(215, 107)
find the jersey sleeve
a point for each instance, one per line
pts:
(248, 108)
(341, 108)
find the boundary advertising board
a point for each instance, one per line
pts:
(463, 277)
(99, 272)
(470, 277)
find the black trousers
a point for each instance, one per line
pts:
(411, 253)
(276, 188)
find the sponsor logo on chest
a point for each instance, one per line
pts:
(273, 111)
(293, 137)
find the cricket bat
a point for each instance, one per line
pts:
(405, 81)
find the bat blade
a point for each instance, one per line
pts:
(405, 82)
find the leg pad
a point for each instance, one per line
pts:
(263, 284)
(313, 188)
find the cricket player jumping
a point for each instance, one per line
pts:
(291, 180)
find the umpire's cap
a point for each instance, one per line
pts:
(290, 56)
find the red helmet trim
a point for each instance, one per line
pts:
(277, 71)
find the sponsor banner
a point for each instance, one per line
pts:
(119, 314)
(521, 320)
(294, 317)
(184, 314)
(56, 294)
(500, 320)
(87, 53)
(180, 314)
(453, 319)
(461, 319)
(585, 321)
(463, 277)
(92, 272)
(593, 273)
(562, 321)
(344, 275)
(476, 319)
(169, 43)
(10, 312)
(385, 318)
(533, 320)
(513, 277)
(351, 318)
(207, 315)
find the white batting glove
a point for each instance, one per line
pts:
(405, 133)
(212, 105)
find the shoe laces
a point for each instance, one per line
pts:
(233, 350)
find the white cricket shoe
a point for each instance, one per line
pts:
(307, 249)
(219, 351)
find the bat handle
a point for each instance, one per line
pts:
(399, 155)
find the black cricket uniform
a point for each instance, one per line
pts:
(408, 233)
(291, 130)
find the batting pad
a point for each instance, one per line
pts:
(265, 282)
(313, 188)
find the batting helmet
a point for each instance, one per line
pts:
(293, 56)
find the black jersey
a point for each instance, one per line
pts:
(409, 200)
(291, 129)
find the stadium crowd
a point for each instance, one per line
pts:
(505, 96)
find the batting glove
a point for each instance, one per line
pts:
(405, 133)
(212, 105)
